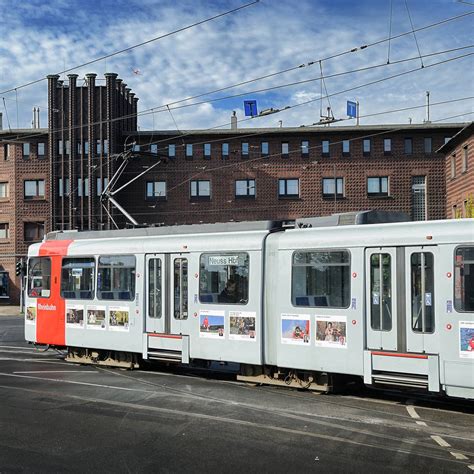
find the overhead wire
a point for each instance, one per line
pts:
(130, 48)
(414, 34)
(261, 158)
(164, 108)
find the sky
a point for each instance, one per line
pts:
(41, 37)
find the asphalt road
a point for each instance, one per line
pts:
(57, 417)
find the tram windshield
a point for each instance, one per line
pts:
(39, 277)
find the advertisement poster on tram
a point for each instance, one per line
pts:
(466, 339)
(242, 325)
(75, 315)
(211, 324)
(118, 318)
(331, 331)
(96, 317)
(30, 314)
(295, 329)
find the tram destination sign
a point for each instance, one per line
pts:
(229, 260)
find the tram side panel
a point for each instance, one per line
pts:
(456, 304)
(315, 306)
(220, 327)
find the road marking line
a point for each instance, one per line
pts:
(459, 456)
(440, 441)
(223, 419)
(57, 372)
(411, 411)
(471, 467)
(421, 423)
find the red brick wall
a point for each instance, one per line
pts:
(461, 187)
(224, 206)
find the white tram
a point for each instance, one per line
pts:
(389, 303)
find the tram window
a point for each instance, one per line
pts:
(381, 292)
(422, 292)
(154, 288)
(39, 277)
(116, 277)
(180, 288)
(321, 279)
(77, 278)
(464, 279)
(224, 278)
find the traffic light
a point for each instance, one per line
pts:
(19, 268)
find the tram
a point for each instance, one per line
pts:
(304, 305)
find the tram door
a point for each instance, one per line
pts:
(381, 291)
(166, 292)
(420, 292)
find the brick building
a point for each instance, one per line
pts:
(459, 172)
(52, 179)
(24, 204)
(285, 173)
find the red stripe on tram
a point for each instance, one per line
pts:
(395, 354)
(51, 312)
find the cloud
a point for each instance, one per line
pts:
(43, 37)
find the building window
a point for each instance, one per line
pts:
(60, 147)
(3, 190)
(419, 197)
(34, 188)
(4, 230)
(136, 147)
(154, 149)
(264, 148)
(156, 190)
(83, 187)
(453, 166)
(172, 151)
(285, 149)
(245, 149)
(201, 190)
(305, 147)
(289, 188)
(377, 186)
(245, 188)
(26, 150)
(4, 292)
(346, 147)
(454, 211)
(86, 148)
(446, 139)
(428, 145)
(464, 159)
(333, 187)
(79, 148)
(63, 190)
(106, 147)
(41, 150)
(189, 150)
(387, 146)
(408, 146)
(33, 231)
(366, 146)
(207, 151)
(325, 147)
(9, 151)
(225, 151)
(100, 188)
(98, 147)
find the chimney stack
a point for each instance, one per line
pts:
(1, 121)
(33, 123)
(233, 121)
(38, 118)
